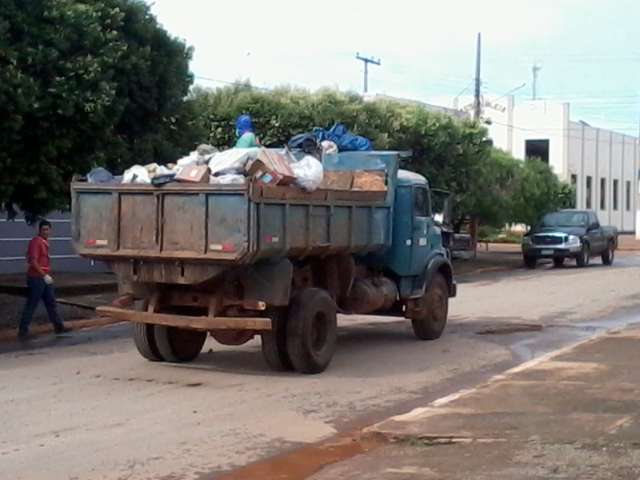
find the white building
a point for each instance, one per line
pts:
(602, 164)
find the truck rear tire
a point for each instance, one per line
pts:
(312, 330)
(145, 341)
(179, 344)
(274, 342)
(432, 311)
(609, 254)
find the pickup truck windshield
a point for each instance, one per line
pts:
(564, 219)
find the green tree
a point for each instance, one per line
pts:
(539, 192)
(490, 187)
(85, 83)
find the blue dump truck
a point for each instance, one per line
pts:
(237, 261)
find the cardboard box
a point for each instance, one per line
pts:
(336, 180)
(194, 174)
(271, 168)
(369, 181)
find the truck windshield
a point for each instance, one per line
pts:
(564, 219)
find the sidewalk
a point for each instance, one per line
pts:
(628, 243)
(77, 293)
(66, 283)
(574, 414)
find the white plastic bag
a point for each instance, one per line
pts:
(136, 174)
(308, 173)
(193, 157)
(228, 179)
(162, 170)
(232, 160)
(329, 147)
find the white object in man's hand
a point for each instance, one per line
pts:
(48, 279)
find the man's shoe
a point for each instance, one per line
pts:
(61, 330)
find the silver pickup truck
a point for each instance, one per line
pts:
(575, 234)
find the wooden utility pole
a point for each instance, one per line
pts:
(367, 61)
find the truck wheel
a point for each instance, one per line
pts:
(179, 344)
(432, 311)
(274, 342)
(145, 341)
(558, 262)
(582, 260)
(609, 254)
(312, 331)
(530, 262)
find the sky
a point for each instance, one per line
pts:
(588, 50)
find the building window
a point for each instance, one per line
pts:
(615, 194)
(537, 149)
(574, 190)
(588, 193)
(603, 193)
(628, 196)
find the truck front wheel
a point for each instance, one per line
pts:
(609, 254)
(530, 261)
(582, 260)
(179, 344)
(312, 330)
(429, 316)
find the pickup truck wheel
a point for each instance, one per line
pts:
(274, 342)
(432, 310)
(609, 254)
(582, 260)
(558, 262)
(312, 331)
(145, 341)
(530, 262)
(179, 344)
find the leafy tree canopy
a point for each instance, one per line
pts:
(489, 185)
(85, 83)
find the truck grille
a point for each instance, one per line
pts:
(548, 239)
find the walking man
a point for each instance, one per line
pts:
(40, 283)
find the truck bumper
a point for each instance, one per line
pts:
(186, 321)
(552, 252)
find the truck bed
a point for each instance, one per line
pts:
(218, 223)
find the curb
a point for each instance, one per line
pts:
(382, 431)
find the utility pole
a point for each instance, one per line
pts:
(476, 97)
(535, 69)
(367, 61)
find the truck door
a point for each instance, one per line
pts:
(421, 226)
(595, 234)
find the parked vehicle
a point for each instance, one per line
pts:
(243, 260)
(575, 234)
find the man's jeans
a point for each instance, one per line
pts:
(39, 290)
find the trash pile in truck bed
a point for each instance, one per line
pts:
(267, 168)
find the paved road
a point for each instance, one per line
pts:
(88, 407)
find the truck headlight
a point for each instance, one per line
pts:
(573, 240)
